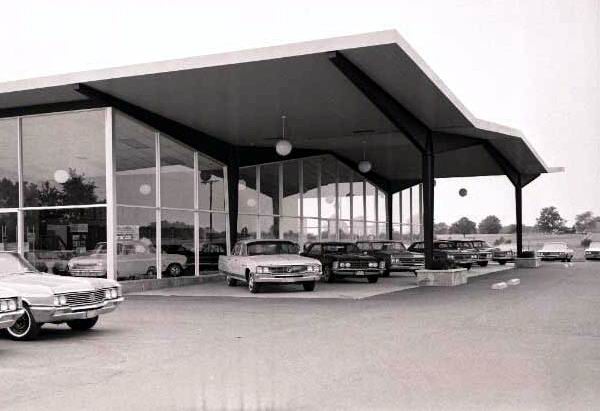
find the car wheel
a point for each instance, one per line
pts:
(231, 282)
(482, 263)
(25, 328)
(328, 276)
(372, 279)
(309, 286)
(502, 262)
(83, 324)
(253, 286)
(174, 270)
(151, 272)
(386, 273)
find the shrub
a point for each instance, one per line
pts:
(586, 242)
(499, 241)
(528, 254)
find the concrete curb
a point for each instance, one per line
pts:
(136, 286)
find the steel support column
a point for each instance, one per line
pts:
(519, 215)
(233, 179)
(389, 211)
(428, 200)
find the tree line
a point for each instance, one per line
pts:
(549, 221)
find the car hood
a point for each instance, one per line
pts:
(7, 293)
(53, 284)
(593, 249)
(88, 259)
(350, 256)
(282, 259)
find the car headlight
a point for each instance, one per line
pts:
(450, 257)
(313, 268)
(60, 300)
(382, 264)
(262, 270)
(335, 264)
(348, 265)
(373, 265)
(474, 256)
(3, 305)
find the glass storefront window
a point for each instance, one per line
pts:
(269, 227)
(344, 187)
(382, 231)
(370, 193)
(344, 230)
(269, 189)
(371, 233)
(136, 243)
(246, 227)
(8, 231)
(70, 173)
(9, 173)
(311, 167)
(311, 230)
(328, 180)
(135, 150)
(247, 197)
(176, 174)
(358, 211)
(290, 228)
(177, 242)
(291, 196)
(212, 240)
(328, 230)
(211, 186)
(55, 237)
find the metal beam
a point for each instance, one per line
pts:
(519, 215)
(414, 129)
(207, 144)
(509, 170)
(428, 200)
(51, 108)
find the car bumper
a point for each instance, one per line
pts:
(8, 319)
(592, 256)
(554, 257)
(505, 259)
(258, 278)
(75, 272)
(406, 265)
(45, 314)
(357, 273)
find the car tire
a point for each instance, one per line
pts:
(468, 266)
(328, 276)
(372, 279)
(151, 272)
(386, 273)
(482, 263)
(253, 287)
(83, 324)
(231, 282)
(502, 262)
(174, 270)
(25, 329)
(310, 286)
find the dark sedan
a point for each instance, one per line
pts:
(446, 254)
(394, 253)
(482, 249)
(345, 259)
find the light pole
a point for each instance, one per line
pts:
(207, 177)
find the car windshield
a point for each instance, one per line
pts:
(340, 248)
(272, 248)
(99, 249)
(465, 244)
(446, 246)
(481, 244)
(555, 246)
(12, 263)
(389, 246)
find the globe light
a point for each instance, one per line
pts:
(241, 185)
(364, 166)
(251, 202)
(61, 176)
(145, 189)
(283, 147)
(462, 192)
(329, 200)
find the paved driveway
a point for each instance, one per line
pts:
(531, 346)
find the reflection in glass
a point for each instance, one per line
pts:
(328, 179)
(290, 228)
(344, 192)
(9, 176)
(247, 198)
(136, 242)
(211, 186)
(53, 237)
(246, 227)
(344, 230)
(328, 230)
(135, 162)
(70, 173)
(177, 242)
(269, 227)
(311, 230)
(212, 240)
(176, 174)
(8, 231)
(370, 194)
(311, 167)
(382, 231)
(291, 196)
(358, 211)
(381, 206)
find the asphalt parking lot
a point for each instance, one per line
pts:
(530, 346)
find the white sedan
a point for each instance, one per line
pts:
(258, 262)
(556, 251)
(593, 251)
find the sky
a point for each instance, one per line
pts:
(530, 64)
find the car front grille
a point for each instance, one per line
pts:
(287, 269)
(85, 298)
(360, 265)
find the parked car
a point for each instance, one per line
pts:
(49, 298)
(208, 255)
(504, 253)
(555, 251)
(484, 250)
(345, 259)
(134, 259)
(593, 251)
(259, 262)
(11, 307)
(447, 254)
(394, 253)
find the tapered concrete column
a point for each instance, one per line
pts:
(519, 216)
(233, 179)
(428, 200)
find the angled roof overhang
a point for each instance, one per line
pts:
(237, 99)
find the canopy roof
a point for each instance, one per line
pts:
(238, 99)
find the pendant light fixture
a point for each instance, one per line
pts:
(365, 165)
(283, 146)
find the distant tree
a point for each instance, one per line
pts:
(440, 228)
(78, 189)
(550, 220)
(586, 222)
(509, 229)
(463, 226)
(490, 225)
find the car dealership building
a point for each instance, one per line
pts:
(188, 156)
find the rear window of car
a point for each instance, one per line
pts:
(446, 246)
(272, 248)
(340, 248)
(555, 246)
